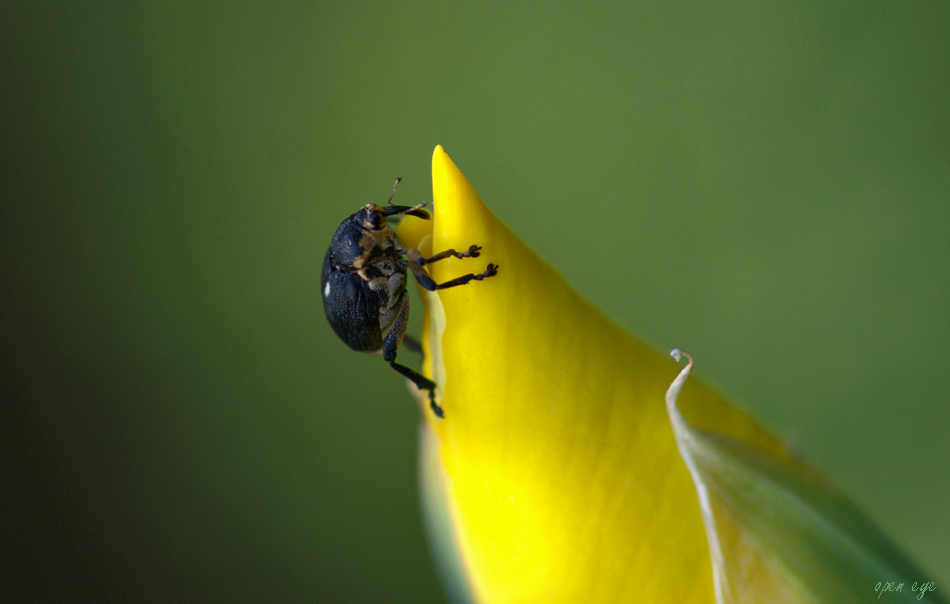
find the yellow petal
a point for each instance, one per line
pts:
(555, 475)
(561, 475)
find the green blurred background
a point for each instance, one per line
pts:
(764, 184)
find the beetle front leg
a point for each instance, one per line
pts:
(391, 343)
(422, 276)
(415, 256)
(471, 252)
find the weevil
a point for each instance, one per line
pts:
(364, 284)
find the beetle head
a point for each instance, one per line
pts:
(373, 217)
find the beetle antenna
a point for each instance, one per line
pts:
(390, 200)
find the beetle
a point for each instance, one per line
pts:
(364, 284)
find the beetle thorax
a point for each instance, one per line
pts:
(376, 246)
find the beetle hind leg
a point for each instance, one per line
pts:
(422, 383)
(391, 343)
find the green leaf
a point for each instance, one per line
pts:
(779, 533)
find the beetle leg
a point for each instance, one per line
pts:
(411, 343)
(471, 252)
(422, 276)
(415, 257)
(391, 343)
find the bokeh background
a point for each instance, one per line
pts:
(764, 184)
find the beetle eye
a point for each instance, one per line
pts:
(377, 220)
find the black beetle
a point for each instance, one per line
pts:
(364, 284)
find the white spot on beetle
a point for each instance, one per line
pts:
(326, 290)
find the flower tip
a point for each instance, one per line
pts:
(674, 390)
(460, 217)
(678, 354)
(445, 170)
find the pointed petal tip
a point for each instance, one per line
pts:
(460, 217)
(443, 166)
